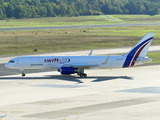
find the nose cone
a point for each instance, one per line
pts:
(6, 65)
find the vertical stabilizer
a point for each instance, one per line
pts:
(139, 50)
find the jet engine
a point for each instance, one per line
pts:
(68, 70)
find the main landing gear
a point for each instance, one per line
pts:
(23, 74)
(81, 73)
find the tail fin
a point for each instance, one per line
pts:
(139, 50)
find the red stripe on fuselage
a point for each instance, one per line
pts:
(137, 54)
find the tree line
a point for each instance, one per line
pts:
(52, 8)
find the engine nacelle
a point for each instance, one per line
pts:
(68, 70)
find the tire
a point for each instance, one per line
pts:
(23, 74)
(83, 75)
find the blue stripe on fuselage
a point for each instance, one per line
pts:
(133, 52)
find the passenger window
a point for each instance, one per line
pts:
(11, 61)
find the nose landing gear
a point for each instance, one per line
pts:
(23, 74)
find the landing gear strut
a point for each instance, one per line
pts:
(81, 73)
(23, 74)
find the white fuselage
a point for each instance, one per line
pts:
(56, 62)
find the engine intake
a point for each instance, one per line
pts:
(68, 70)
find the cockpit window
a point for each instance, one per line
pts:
(11, 61)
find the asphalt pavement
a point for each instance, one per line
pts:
(79, 26)
(5, 71)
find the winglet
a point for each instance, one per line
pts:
(105, 62)
(90, 54)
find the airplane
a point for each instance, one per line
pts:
(77, 64)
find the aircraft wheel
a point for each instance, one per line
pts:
(23, 74)
(83, 75)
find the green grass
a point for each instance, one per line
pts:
(136, 18)
(81, 20)
(54, 21)
(19, 42)
(155, 56)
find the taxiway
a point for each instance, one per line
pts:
(79, 26)
(130, 93)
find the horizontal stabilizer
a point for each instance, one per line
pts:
(140, 61)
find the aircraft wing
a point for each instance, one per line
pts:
(82, 65)
(86, 65)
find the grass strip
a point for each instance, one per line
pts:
(20, 42)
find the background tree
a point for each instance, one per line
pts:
(2, 13)
(52, 8)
